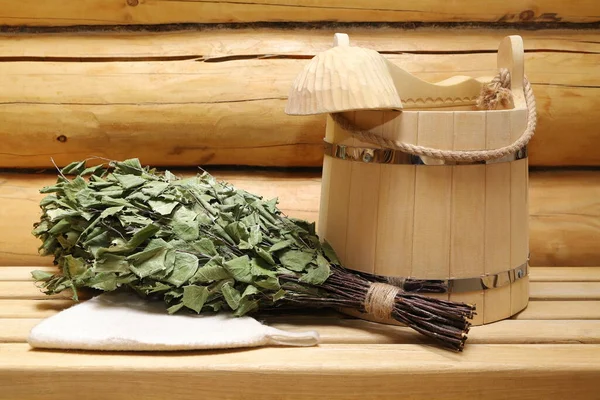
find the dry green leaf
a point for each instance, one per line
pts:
(295, 260)
(194, 297)
(231, 295)
(239, 268)
(187, 265)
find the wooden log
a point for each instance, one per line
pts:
(19, 205)
(564, 217)
(130, 12)
(218, 97)
(564, 211)
(214, 44)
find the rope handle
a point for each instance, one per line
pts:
(494, 93)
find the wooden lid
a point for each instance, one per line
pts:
(343, 78)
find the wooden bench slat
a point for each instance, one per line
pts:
(544, 310)
(22, 290)
(556, 310)
(564, 291)
(334, 330)
(327, 371)
(538, 291)
(32, 308)
(22, 272)
(564, 274)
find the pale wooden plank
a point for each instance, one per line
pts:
(393, 256)
(565, 290)
(335, 223)
(564, 274)
(325, 182)
(519, 214)
(539, 291)
(329, 371)
(333, 330)
(15, 290)
(32, 308)
(537, 309)
(467, 251)
(363, 202)
(22, 273)
(497, 302)
(433, 190)
(431, 231)
(520, 293)
(469, 130)
(467, 245)
(555, 310)
(16, 330)
(337, 211)
(537, 332)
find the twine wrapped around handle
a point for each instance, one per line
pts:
(497, 91)
(380, 300)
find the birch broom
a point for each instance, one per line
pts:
(204, 246)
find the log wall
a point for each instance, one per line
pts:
(564, 211)
(217, 97)
(117, 12)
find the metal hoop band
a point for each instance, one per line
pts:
(389, 156)
(463, 285)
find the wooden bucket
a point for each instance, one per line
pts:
(396, 215)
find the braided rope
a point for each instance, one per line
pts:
(497, 91)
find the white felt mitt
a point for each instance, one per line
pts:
(125, 322)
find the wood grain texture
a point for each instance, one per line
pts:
(15, 308)
(187, 86)
(571, 310)
(27, 290)
(331, 371)
(564, 274)
(536, 310)
(565, 291)
(120, 12)
(433, 201)
(19, 200)
(564, 211)
(467, 246)
(564, 216)
(335, 330)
